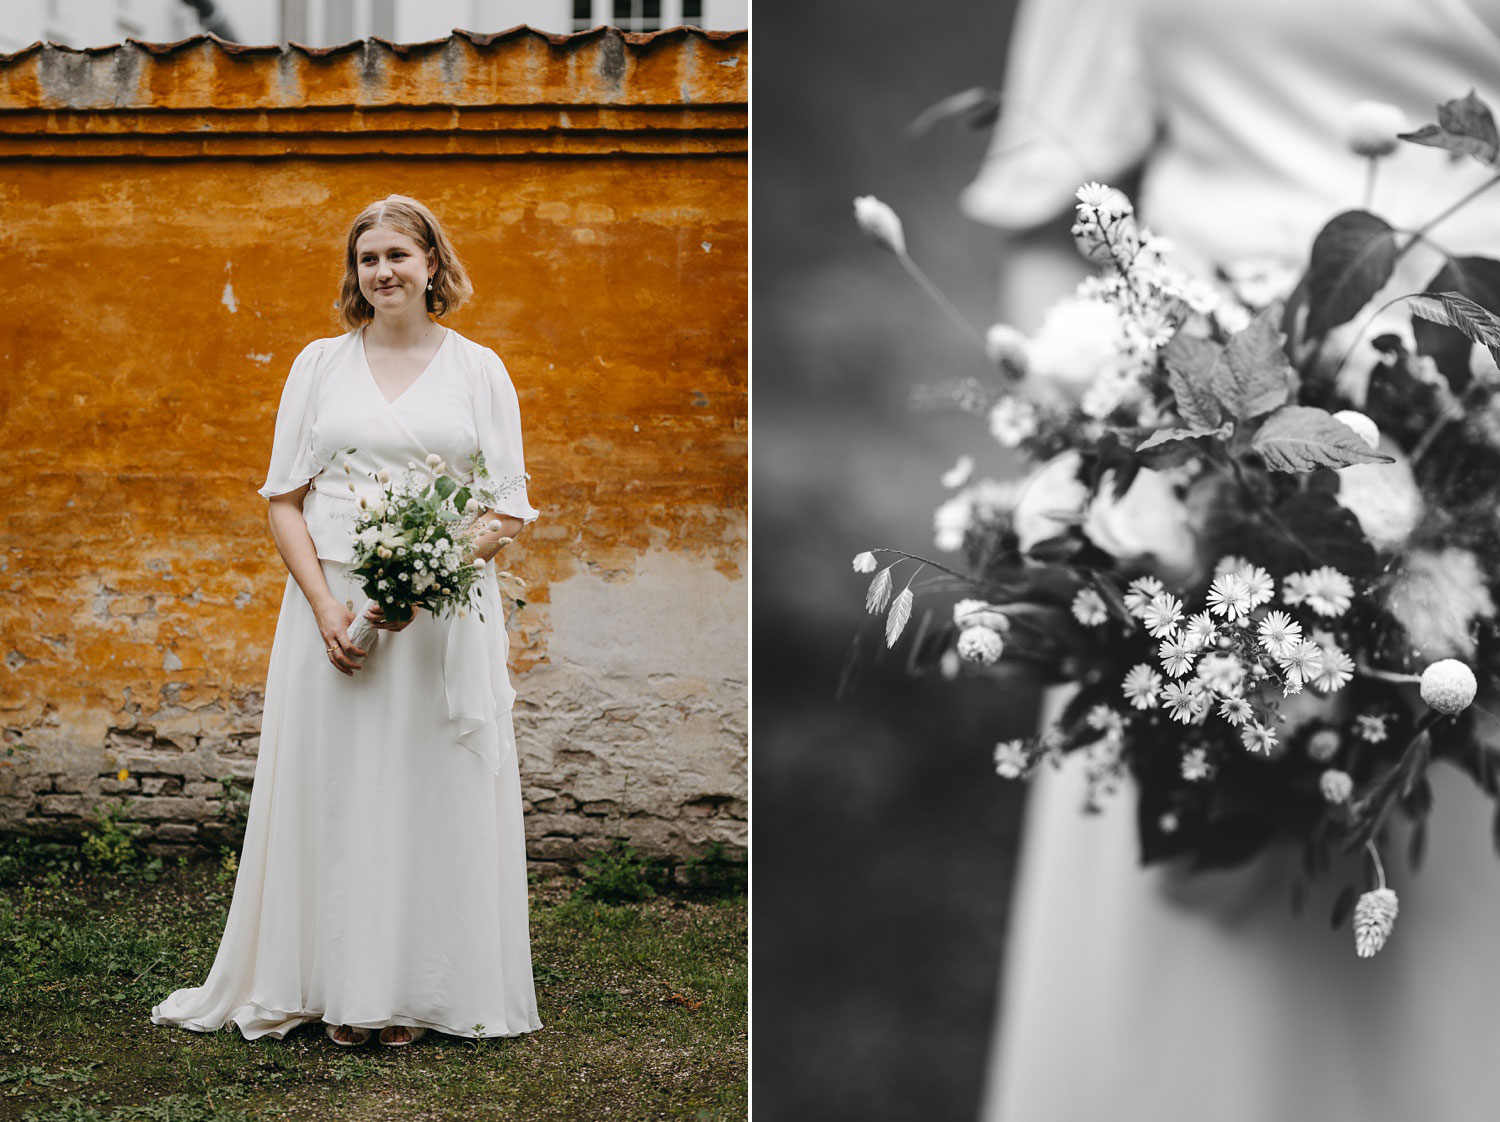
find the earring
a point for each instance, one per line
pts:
(429, 284)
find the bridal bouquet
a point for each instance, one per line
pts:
(1260, 539)
(410, 548)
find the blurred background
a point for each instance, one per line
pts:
(883, 840)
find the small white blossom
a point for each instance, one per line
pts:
(1140, 686)
(1371, 128)
(879, 223)
(1258, 738)
(980, 644)
(1201, 631)
(865, 562)
(433, 459)
(1089, 608)
(1302, 662)
(1011, 759)
(1323, 745)
(1176, 655)
(1195, 766)
(1337, 670)
(1162, 615)
(1279, 634)
(1235, 710)
(1449, 686)
(1370, 728)
(1374, 918)
(1336, 786)
(1141, 592)
(1007, 349)
(959, 473)
(1184, 702)
(1012, 420)
(1258, 584)
(1106, 720)
(383, 476)
(1229, 597)
(1326, 591)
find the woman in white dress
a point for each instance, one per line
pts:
(1133, 993)
(382, 885)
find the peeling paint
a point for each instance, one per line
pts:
(262, 359)
(228, 299)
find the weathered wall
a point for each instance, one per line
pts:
(174, 219)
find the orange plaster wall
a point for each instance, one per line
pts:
(148, 320)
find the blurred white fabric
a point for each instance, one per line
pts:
(1145, 994)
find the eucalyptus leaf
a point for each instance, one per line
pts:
(1252, 376)
(1464, 125)
(1352, 258)
(1301, 438)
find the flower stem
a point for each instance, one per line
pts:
(1375, 857)
(1371, 166)
(964, 326)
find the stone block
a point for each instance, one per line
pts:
(174, 808)
(555, 849)
(161, 785)
(175, 832)
(62, 805)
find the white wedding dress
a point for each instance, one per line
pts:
(1149, 994)
(383, 876)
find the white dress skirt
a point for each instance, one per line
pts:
(383, 875)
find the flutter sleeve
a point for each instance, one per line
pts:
(1076, 106)
(292, 462)
(500, 476)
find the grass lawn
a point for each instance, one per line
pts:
(644, 1006)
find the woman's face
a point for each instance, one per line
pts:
(393, 271)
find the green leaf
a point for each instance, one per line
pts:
(444, 486)
(1301, 438)
(1452, 309)
(1252, 376)
(1352, 258)
(461, 498)
(1190, 361)
(1465, 125)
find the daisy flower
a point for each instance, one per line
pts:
(1176, 655)
(1094, 194)
(1235, 710)
(1256, 737)
(1229, 597)
(1259, 584)
(1229, 563)
(1279, 634)
(1221, 673)
(1141, 685)
(1337, 669)
(1162, 615)
(1370, 728)
(1185, 703)
(1301, 663)
(1326, 591)
(1011, 759)
(1141, 592)
(1201, 631)
(1089, 608)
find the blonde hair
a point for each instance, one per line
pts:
(450, 284)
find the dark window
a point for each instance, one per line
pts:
(692, 12)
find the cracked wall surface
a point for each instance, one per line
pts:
(173, 263)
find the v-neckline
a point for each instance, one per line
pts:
(375, 382)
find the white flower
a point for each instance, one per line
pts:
(1301, 662)
(1007, 349)
(1438, 596)
(1449, 686)
(383, 476)
(1176, 655)
(383, 552)
(1201, 631)
(1195, 766)
(1323, 745)
(433, 459)
(1371, 127)
(879, 223)
(1370, 728)
(1337, 670)
(1140, 686)
(1185, 703)
(1383, 497)
(1256, 737)
(1051, 500)
(1162, 615)
(1221, 672)
(1149, 522)
(1336, 786)
(980, 644)
(1364, 428)
(1279, 634)
(1011, 759)
(1012, 420)
(1229, 563)
(1106, 720)
(1235, 710)
(865, 562)
(1089, 608)
(959, 473)
(1229, 597)
(471, 506)
(1078, 341)
(1096, 195)
(979, 613)
(1140, 592)
(1325, 590)
(1258, 584)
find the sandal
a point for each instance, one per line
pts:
(357, 1036)
(414, 1034)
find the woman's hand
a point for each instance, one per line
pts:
(333, 624)
(376, 616)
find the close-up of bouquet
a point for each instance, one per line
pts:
(412, 549)
(1260, 536)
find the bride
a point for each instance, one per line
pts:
(382, 884)
(1133, 993)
